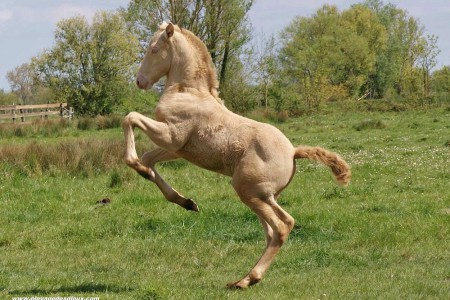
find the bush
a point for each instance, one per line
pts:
(369, 124)
(86, 123)
(82, 156)
(107, 122)
(115, 179)
(264, 115)
(54, 127)
(99, 122)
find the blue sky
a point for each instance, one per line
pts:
(27, 26)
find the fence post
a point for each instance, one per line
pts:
(22, 118)
(47, 110)
(14, 113)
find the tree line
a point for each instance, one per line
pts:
(371, 51)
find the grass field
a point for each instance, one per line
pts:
(386, 236)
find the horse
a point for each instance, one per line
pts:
(191, 122)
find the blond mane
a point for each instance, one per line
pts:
(205, 68)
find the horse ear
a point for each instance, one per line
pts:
(170, 30)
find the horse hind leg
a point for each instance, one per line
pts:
(279, 224)
(267, 230)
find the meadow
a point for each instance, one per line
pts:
(386, 236)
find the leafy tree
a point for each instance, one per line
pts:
(91, 65)
(427, 61)
(331, 55)
(241, 95)
(364, 39)
(8, 98)
(24, 86)
(265, 67)
(21, 82)
(370, 50)
(440, 85)
(407, 48)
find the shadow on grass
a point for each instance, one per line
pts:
(82, 288)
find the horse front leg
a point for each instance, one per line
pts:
(149, 159)
(159, 133)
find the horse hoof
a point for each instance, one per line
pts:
(244, 283)
(191, 205)
(235, 286)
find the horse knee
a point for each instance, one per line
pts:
(142, 170)
(126, 122)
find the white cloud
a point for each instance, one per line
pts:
(47, 14)
(66, 10)
(5, 15)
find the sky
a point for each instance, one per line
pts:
(27, 26)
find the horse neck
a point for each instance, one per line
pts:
(178, 77)
(188, 70)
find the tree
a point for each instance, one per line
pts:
(331, 55)
(440, 85)
(24, 85)
(8, 98)
(91, 65)
(238, 88)
(396, 66)
(365, 38)
(370, 50)
(221, 24)
(264, 61)
(427, 61)
(21, 82)
(307, 42)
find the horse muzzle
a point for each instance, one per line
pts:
(142, 82)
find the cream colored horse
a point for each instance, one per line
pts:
(191, 122)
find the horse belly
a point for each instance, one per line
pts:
(214, 149)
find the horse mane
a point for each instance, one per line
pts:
(206, 67)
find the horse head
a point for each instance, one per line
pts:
(157, 59)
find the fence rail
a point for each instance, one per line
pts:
(20, 112)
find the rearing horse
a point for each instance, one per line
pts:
(192, 123)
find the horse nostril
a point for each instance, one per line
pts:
(142, 82)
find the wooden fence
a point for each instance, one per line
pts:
(20, 113)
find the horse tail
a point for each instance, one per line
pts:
(339, 167)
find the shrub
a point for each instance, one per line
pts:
(81, 156)
(99, 122)
(106, 122)
(263, 115)
(51, 127)
(86, 123)
(115, 180)
(369, 124)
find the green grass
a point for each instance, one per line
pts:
(384, 237)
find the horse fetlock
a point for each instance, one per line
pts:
(131, 162)
(145, 172)
(142, 170)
